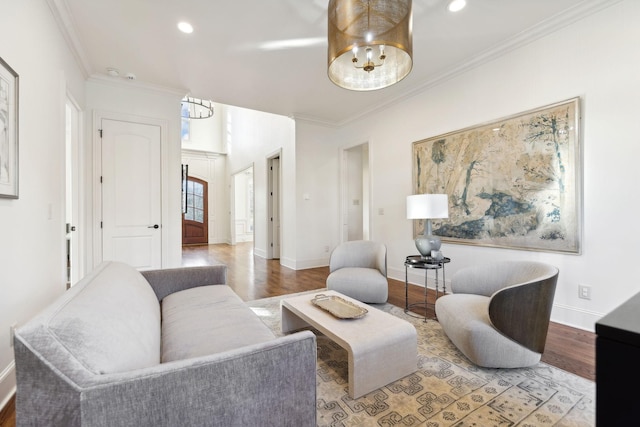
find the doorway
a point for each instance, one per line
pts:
(243, 206)
(355, 193)
(73, 215)
(273, 206)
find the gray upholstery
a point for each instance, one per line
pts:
(191, 318)
(115, 340)
(498, 313)
(92, 358)
(358, 269)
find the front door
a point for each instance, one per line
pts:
(131, 193)
(195, 218)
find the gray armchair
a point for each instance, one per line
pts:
(498, 313)
(358, 269)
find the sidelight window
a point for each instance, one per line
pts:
(194, 201)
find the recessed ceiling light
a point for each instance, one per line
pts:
(185, 27)
(292, 43)
(456, 5)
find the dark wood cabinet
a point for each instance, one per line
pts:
(617, 367)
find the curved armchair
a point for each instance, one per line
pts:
(358, 269)
(498, 313)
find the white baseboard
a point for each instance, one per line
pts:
(311, 263)
(288, 262)
(259, 252)
(7, 384)
(575, 317)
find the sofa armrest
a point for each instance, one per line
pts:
(169, 280)
(267, 384)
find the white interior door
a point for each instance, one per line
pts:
(131, 193)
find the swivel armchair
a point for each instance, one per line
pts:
(498, 313)
(358, 269)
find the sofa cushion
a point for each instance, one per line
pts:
(206, 320)
(112, 324)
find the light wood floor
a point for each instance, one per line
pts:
(252, 277)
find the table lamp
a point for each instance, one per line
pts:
(427, 206)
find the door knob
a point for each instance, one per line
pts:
(154, 226)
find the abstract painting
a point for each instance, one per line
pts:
(512, 183)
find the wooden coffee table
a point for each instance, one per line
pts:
(382, 348)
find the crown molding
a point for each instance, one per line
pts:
(543, 29)
(120, 82)
(62, 16)
(190, 152)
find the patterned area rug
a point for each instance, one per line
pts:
(446, 390)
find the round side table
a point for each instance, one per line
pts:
(426, 264)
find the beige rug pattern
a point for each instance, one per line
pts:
(446, 390)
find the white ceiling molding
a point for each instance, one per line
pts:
(64, 20)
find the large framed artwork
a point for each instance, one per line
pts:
(8, 131)
(512, 183)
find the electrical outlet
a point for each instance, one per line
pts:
(12, 332)
(584, 292)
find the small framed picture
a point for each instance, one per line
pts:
(8, 131)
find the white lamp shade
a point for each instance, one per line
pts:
(424, 206)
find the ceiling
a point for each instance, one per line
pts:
(271, 55)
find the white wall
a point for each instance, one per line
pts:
(251, 138)
(597, 59)
(318, 219)
(32, 249)
(206, 134)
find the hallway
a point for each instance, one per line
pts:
(254, 277)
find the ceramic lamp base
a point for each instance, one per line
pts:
(426, 244)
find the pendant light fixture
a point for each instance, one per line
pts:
(370, 43)
(194, 108)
